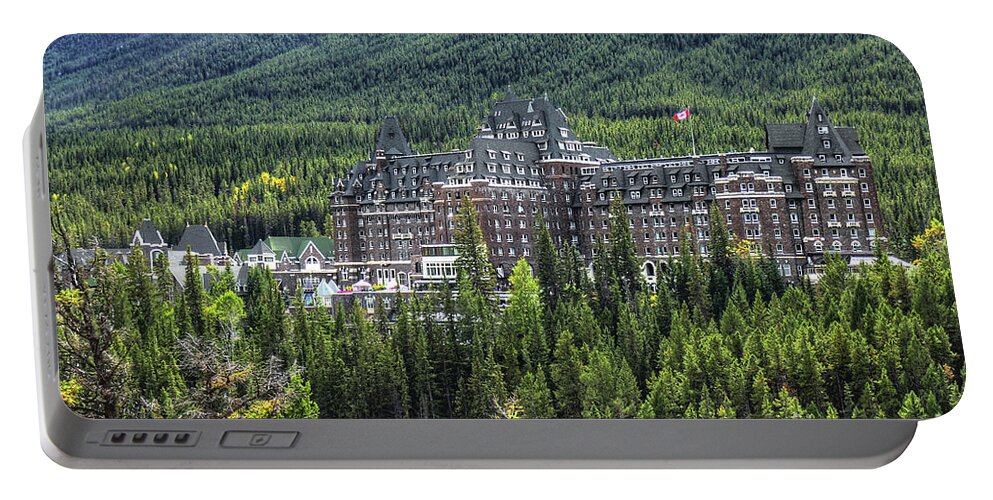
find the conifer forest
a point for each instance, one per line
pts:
(246, 134)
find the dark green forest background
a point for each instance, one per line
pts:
(167, 126)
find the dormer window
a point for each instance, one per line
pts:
(564, 132)
(821, 157)
(822, 130)
(506, 155)
(492, 154)
(520, 157)
(826, 143)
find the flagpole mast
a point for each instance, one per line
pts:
(692, 137)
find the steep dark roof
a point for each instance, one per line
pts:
(851, 138)
(149, 234)
(391, 139)
(808, 139)
(200, 240)
(784, 137)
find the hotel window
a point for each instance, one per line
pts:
(772, 203)
(864, 186)
(867, 203)
(868, 217)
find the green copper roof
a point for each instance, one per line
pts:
(295, 245)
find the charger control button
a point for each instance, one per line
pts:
(260, 439)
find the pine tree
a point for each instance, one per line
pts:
(546, 264)
(912, 407)
(194, 299)
(609, 388)
(534, 396)
(473, 264)
(264, 316)
(625, 267)
(523, 325)
(298, 403)
(762, 404)
(566, 370)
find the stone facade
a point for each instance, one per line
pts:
(810, 192)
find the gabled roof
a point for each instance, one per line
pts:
(808, 138)
(294, 246)
(148, 234)
(199, 239)
(260, 248)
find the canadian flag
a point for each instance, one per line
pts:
(682, 115)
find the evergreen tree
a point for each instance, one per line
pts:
(625, 267)
(609, 388)
(534, 395)
(566, 371)
(473, 263)
(194, 296)
(546, 264)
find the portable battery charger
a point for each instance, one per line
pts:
(486, 251)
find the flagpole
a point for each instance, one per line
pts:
(692, 137)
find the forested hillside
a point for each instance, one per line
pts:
(722, 337)
(193, 128)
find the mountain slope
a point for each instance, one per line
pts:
(166, 125)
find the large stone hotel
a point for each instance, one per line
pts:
(810, 192)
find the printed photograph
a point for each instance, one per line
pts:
(496, 226)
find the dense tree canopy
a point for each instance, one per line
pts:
(719, 338)
(246, 132)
